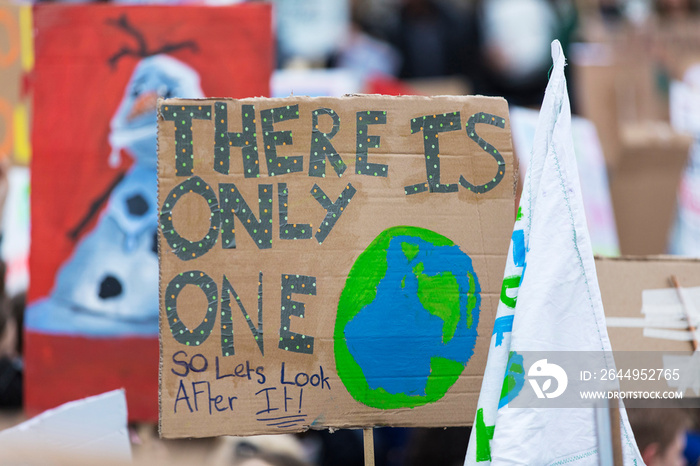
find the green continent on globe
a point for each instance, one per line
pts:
(442, 303)
(407, 319)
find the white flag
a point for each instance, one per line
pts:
(550, 301)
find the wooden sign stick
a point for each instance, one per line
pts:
(684, 305)
(368, 438)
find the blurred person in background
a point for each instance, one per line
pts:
(259, 450)
(660, 434)
(11, 319)
(431, 37)
(446, 447)
(513, 39)
(11, 322)
(610, 10)
(365, 55)
(433, 40)
(271, 459)
(673, 9)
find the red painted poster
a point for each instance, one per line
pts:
(92, 318)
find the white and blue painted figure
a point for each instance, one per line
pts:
(109, 286)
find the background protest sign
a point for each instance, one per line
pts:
(92, 315)
(328, 262)
(16, 62)
(643, 309)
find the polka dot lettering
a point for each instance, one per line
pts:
(227, 291)
(291, 284)
(184, 155)
(236, 205)
(431, 126)
(321, 146)
(492, 120)
(289, 230)
(246, 140)
(333, 209)
(183, 334)
(365, 141)
(183, 248)
(279, 165)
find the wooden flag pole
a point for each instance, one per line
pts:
(369, 445)
(609, 433)
(684, 305)
(616, 432)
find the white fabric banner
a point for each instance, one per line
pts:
(550, 301)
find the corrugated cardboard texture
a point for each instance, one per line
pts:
(622, 281)
(295, 385)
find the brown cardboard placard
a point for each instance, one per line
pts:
(368, 233)
(645, 185)
(623, 280)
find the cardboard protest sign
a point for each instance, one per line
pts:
(642, 307)
(329, 262)
(646, 314)
(16, 62)
(92, 318)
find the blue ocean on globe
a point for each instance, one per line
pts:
(426, 307)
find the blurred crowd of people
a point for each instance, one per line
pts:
(493, 47)
(496, 47)
(11, 323)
